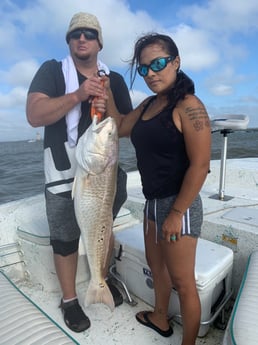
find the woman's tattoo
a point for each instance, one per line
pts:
(199, 117)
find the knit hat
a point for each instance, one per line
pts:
(84, 20)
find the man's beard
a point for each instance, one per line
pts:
(82, 57)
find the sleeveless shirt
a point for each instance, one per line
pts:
(161, 154)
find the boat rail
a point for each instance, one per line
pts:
(11, 254)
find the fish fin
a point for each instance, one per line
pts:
(99, 293)
(82, 249)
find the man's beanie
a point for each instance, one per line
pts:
(84, 20)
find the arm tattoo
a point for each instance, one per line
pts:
(199, 117)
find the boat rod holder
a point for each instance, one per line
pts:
(223, 160)
(227, 124)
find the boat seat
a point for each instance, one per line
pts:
(230, 122)
(36, 229)
(242, 327)
(226, 124)
(22, 322)
(34, 239)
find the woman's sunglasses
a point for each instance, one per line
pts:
(156, 65)
(89, 35)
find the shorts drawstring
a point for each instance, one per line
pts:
(155, 215)
(146, 216)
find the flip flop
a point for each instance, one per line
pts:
(147, 322)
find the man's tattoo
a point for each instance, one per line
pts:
(199, 117)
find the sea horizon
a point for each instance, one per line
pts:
(35, 138)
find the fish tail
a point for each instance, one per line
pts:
(99, 292)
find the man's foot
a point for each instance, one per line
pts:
(74, 317)
(117, 296)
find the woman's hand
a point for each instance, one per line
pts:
(171, 227)
(106, 83)
(100, 104)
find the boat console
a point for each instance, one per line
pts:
(226, 124)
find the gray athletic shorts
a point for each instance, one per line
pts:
(157, 210)
(61, 216)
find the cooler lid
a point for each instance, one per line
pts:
(211, 260)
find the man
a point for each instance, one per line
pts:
(59, 98)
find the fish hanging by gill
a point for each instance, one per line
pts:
(93, 193)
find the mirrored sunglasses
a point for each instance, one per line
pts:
(156, 65)
(89, 35)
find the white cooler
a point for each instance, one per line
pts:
(213, 274)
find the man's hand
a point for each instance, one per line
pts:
(91, 87)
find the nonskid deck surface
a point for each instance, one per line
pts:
(113, 328)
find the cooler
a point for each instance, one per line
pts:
(213, 274)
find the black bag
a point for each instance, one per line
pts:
(121, 191)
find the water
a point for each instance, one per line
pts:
(21, 162)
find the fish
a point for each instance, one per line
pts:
(93, 193)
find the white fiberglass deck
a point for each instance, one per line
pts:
(120, 327)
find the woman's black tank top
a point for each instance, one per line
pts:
(161, 155)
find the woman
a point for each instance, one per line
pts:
(171, 135)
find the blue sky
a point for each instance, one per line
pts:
(217, 40)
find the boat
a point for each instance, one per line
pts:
(30, 294)
(37, 138)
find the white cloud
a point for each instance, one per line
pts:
(225, 82)
(15, 98)
(222, 16)
(222, 90)
(20, 73)
(194, 47)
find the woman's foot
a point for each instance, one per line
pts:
(143, 318)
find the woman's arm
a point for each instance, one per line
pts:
(195, 126)
(126, 122)
(192, 119)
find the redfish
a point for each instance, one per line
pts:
(93, 193)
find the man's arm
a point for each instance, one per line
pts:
(46, 105)
(41, 110)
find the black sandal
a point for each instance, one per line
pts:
(147, 322)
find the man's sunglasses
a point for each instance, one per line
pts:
(156, 65)
(89, 35)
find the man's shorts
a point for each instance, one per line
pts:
(61, 216)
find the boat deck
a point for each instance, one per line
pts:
(232, 223)
(118, 327)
